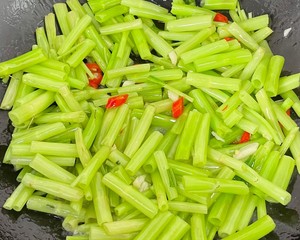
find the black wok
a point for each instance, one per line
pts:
(18, 20)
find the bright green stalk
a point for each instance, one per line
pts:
(165, 145)
(288, 141)
(61, 15)
(48, 205)
(226, 160)
(248, 212)
(100, 199)
(140, 40)
(144, 152)
(50, 29)
(51, 170)
(288, 83)
(76, 6)
(155, 226)
(252, 65)
(32, 108)
(160, 192)
(10, 95)
(270, 165)
(120, 171)
(284, 172)
(201, 141)
(272, 79)
(47, 72)
(223, 59)
(188, 136)
(193, 23)
(202, 104)
(81, 52)
(166, 174)
(220, 5)
(198, 227)
(18, 198)
(175, 229)
(187, 207)
(261, 208)
(204, 184)
(180, 168)
(56, 65)
(170, 88)
(161, 46)
(125, 226)
(145, 5)
(293, 96)
(119, 72)
(200, 80)
(76, 117)
(255, 23)
(163, 105)
(235, 210)
(69, 98)
(97, 232)
(54, 188)
(42, 82)
(140, 131)
(204, 51)
(164, 75)
(41, 39)
(74, 34)
(21, 62)
(264, 127)
(54, 149)
(262, 184)
(130, 194)
(149, 13)
(188, 10)
(176, 36)
(105, 15)
(268, 111)
(108, 117)
(259, 76)
(240, 34)
(92, 128)
(219, 210)
(256, 230)
(98, 5)
(86, 176)
(195, 40)
(261, 34)
(115, 126)
(248, 100)
(234, 118)
(121, 27)
(234, 70)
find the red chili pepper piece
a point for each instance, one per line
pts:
(245, 137)
(177, 108)
(288, 112)
(95, 69)
(228, 39)
(116, 101)
(220, 18)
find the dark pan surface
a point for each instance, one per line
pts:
(18, 20)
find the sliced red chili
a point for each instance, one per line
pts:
(177, 108)
(288, 112)
(95, 69)
(116, 101)
(245, 137)
(219, 17)
(228, 39)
